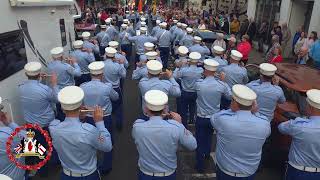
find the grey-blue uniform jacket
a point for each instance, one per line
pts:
(157, 141)
(37, 102)
(240, 138)
(83, 59)
(269, 96)
(170, 87)
(6, 166)
(113, 72)
(235, 74)
(65, 72)
(305, 145)
(97, 93)
(77, 143)
(209, 93)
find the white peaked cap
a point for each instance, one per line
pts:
(163, 24)
(194, 56)
(183, 50)
(218, 49)
(85, 35)
(143, 19)
(103, 26)
(158, 21)
(77, 44)
(267, 69)
(96, 67)
(220, 34)
(184, 25)
(243, 95)
(148, 46)
(313, 98)
(108, 21)
(236, 55)
(233, 39)
(143, 23)
(197, 39)
(113, 44)
(4, 177)
(126, 20)
(143, 29)
(189, 30)
(110, 51)
(32, 68)
(179, 24)
(156, 100)
(124, 26)
(152, 55)
(175, 21)
(127, 11)
(154, 67)
(56, 52)
(210, 65)
(70, 97)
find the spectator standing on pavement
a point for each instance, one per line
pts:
(235, 25)
(252, 29)
(286, 36)
(202, 25)
(277, 55)
(244, 47)
(296, 37)
(275, 43)
(262, 35)
(302, 55)
(279, 33)
(219, 41)
(314, 53)
(244, 27)
(302, 42)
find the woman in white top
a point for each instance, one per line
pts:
(302, 42)
(202, 25)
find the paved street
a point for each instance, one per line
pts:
(125, 155)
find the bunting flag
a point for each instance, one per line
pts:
(140, 6)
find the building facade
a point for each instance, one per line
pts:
(295, 13)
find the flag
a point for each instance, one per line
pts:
(140, 6)
(41, 149)
(18, 149)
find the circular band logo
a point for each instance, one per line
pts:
(29, 147)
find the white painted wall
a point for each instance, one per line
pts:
(315, 21)
(251, 11)
(285, 11)
(44, 30)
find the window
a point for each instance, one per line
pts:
(63, 32)
(12, 53)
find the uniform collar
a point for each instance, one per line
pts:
(265, 82)
(72, 119)
(157, 78)
(155, 118)
(32, 81)
(244, 112)
(96, 80)
(210, 77)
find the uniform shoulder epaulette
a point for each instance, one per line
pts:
(173, 122)
(144, 79)
(224, 113)
(88, 127)
(139, 121)
(260, 116)
(300, 120)
(55, 122)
